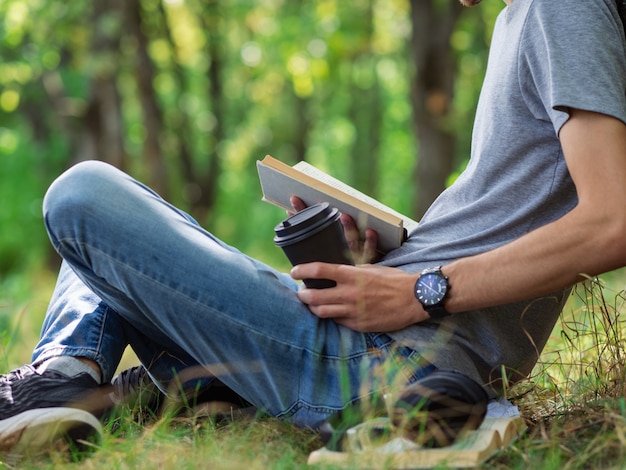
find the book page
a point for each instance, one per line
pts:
(408, 223)
(470, 450)
(507, 428)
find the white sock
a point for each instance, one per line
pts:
(67, 365)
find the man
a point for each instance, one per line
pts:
(476, 288)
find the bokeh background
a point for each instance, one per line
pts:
(186, 95)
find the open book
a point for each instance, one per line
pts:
(469, 450)
(280, 181)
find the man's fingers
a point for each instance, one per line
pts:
(297, 205)
(335, 311)
(369, 247)
(351, 234)
(350, 231)
(317, 270)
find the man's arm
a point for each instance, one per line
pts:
(590, 239)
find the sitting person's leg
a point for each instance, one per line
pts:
(81, 334)
(187, 291)
(60, 393)
(78, 324)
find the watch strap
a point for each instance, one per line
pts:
(436, 311)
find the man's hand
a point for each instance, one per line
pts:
(366, 298)
(363, 251)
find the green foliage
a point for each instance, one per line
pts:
(326, 81)
(22, 185)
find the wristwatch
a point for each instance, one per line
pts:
(431, 289)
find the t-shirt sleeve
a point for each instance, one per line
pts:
(575, 58)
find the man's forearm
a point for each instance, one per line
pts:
(543, 261)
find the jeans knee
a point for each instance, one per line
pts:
(78, 191)
(81, 184)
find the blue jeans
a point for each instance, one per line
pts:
(139, 272)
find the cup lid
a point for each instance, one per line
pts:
(307, 220)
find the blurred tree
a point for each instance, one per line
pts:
(186, 94)
(204, 178)
(432, 92)
(145, 76)
(366, 107)
(101, 130)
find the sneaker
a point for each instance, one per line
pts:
(135, 388)
(38, 410)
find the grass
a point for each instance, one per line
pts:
(573, 403)
(190, 444)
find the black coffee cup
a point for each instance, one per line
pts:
(314, 234)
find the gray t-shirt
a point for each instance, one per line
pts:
(546, 57)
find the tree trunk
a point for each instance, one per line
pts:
(300, 119)
(204, 178)
(95, 131)
(431, 96)
(182, 128)
(366, 113)
(152, 114)
(103, 136)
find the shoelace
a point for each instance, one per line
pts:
(130, 382)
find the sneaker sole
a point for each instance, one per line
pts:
(38, 429)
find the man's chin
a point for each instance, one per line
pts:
(470, 3)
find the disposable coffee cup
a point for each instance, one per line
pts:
(314, 234)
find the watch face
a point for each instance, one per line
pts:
(431, 289)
